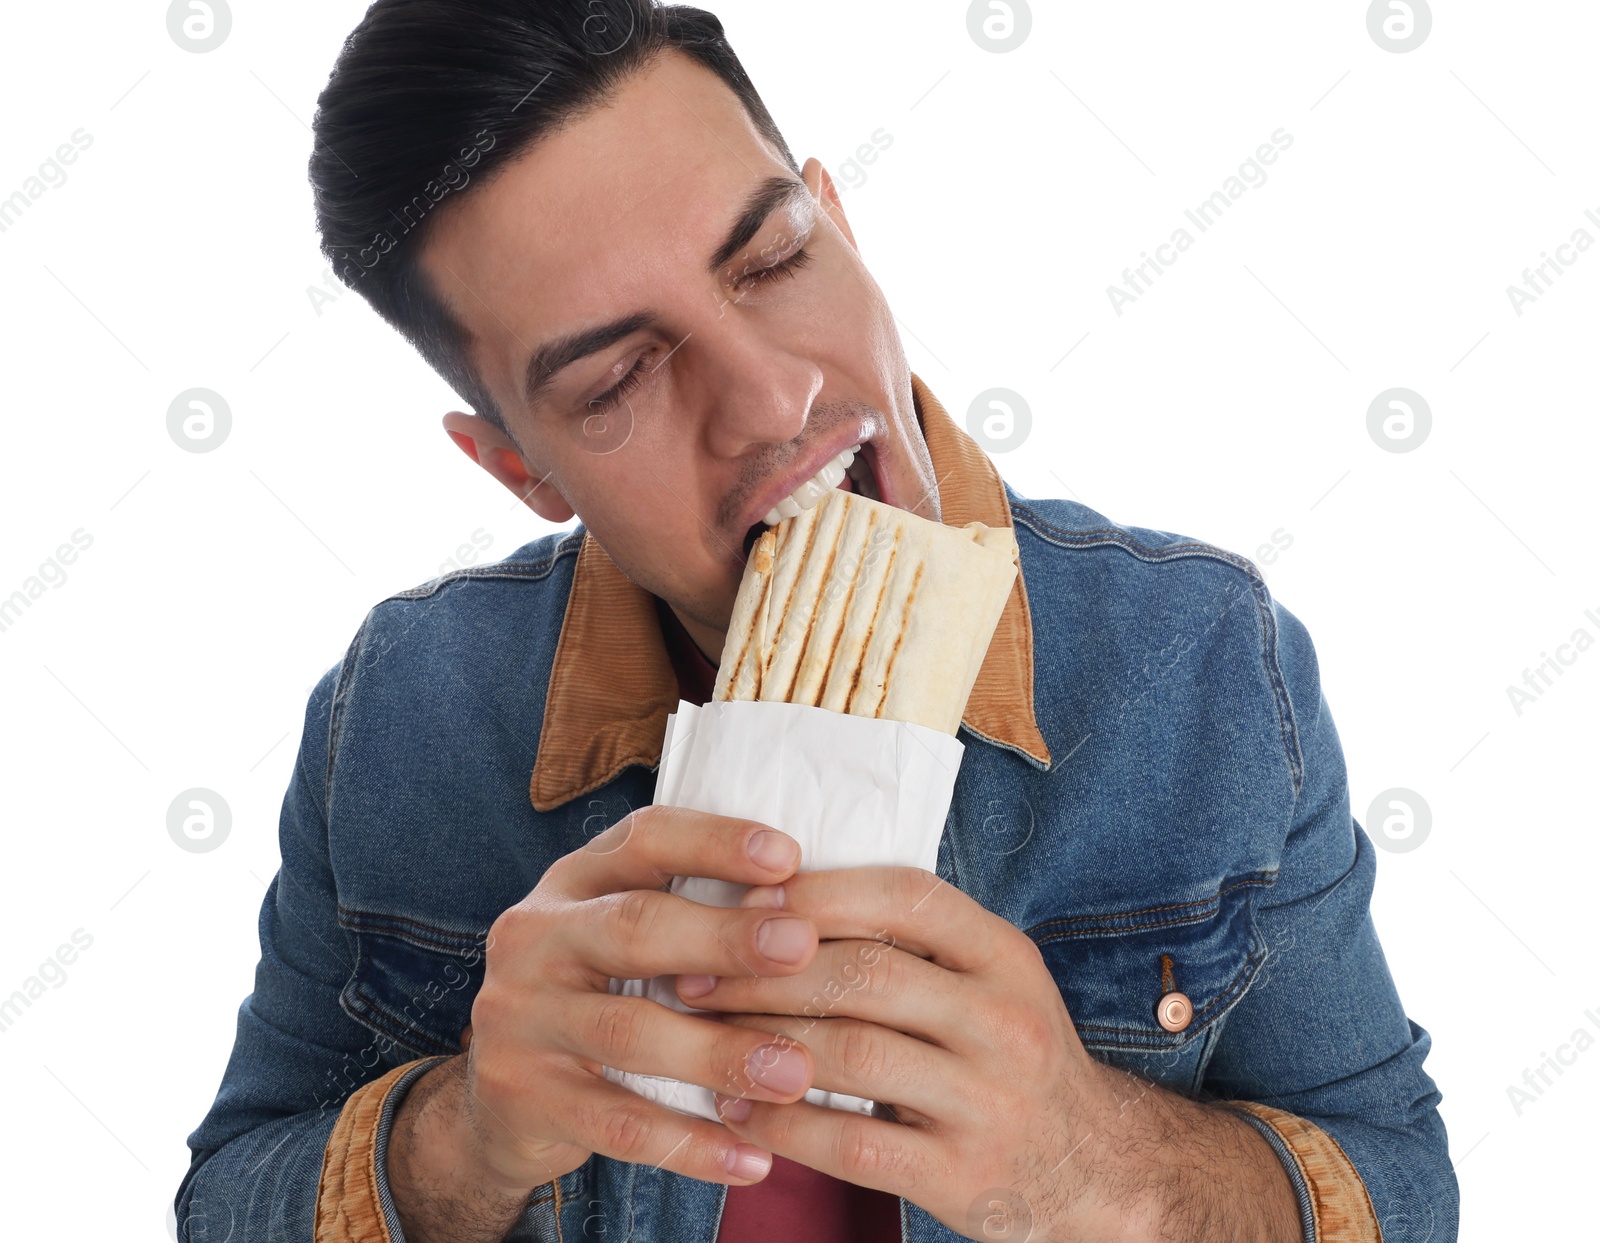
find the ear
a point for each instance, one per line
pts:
(491, 449)
(821, 184)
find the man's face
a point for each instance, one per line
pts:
(745, 360)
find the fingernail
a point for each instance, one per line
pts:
(778, 1067)
(763, 896)
(696, 985)
(784, 940)
(772, 851)
(732, 1108)
(747, 1162)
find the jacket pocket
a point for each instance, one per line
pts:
(1119, 973)
(413, 983)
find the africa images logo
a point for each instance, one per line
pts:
(52, 971)
(1536, 1080)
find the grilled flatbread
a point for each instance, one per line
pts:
(862, 608)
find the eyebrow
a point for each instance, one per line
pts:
(771, 194)
(553, 356)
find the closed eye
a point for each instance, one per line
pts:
(777, 271)
(621, 388)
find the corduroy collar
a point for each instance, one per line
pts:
(612, 684)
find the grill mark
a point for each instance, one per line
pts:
(749, 639)
(866, 644)
(816, 608)
(744, 652)
(888, 672)
(805, 555)
(758, 630)
(844, 616)
(738, 666)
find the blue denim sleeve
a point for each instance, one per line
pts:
(1321, 1034)
(256, 1157)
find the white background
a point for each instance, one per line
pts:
(1227, 403)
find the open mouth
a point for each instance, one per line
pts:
(852, 471)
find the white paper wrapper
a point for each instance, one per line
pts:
(853, 791)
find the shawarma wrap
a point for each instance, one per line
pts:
(862, 608)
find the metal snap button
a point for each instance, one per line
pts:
(1174, 1011)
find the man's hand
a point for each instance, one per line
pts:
(527, 1101)
(1004, 1125)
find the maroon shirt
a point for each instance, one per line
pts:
(793, 1203)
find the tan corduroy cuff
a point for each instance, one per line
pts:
(349, 1207)
(1341, 1209)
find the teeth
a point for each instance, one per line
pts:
(815, 488)
(810, 492)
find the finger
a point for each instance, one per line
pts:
(868, 1060)
(648, 847)
(908, 907)
(861, 980)
(645, 1037)
(870, 1152)
(617, 1122)
(643, 932)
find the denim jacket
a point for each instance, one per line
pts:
(1152, 789)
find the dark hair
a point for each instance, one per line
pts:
(431, 97)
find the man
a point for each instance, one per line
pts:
(1140, 998)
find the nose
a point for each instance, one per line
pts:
(761, 392)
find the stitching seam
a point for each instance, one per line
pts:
(377, 1017)
(370, 921)
(1280, 691)
(499, 569)
(1120, 539)
(1265, 878)
(341, 691)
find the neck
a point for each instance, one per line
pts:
(709, 641)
